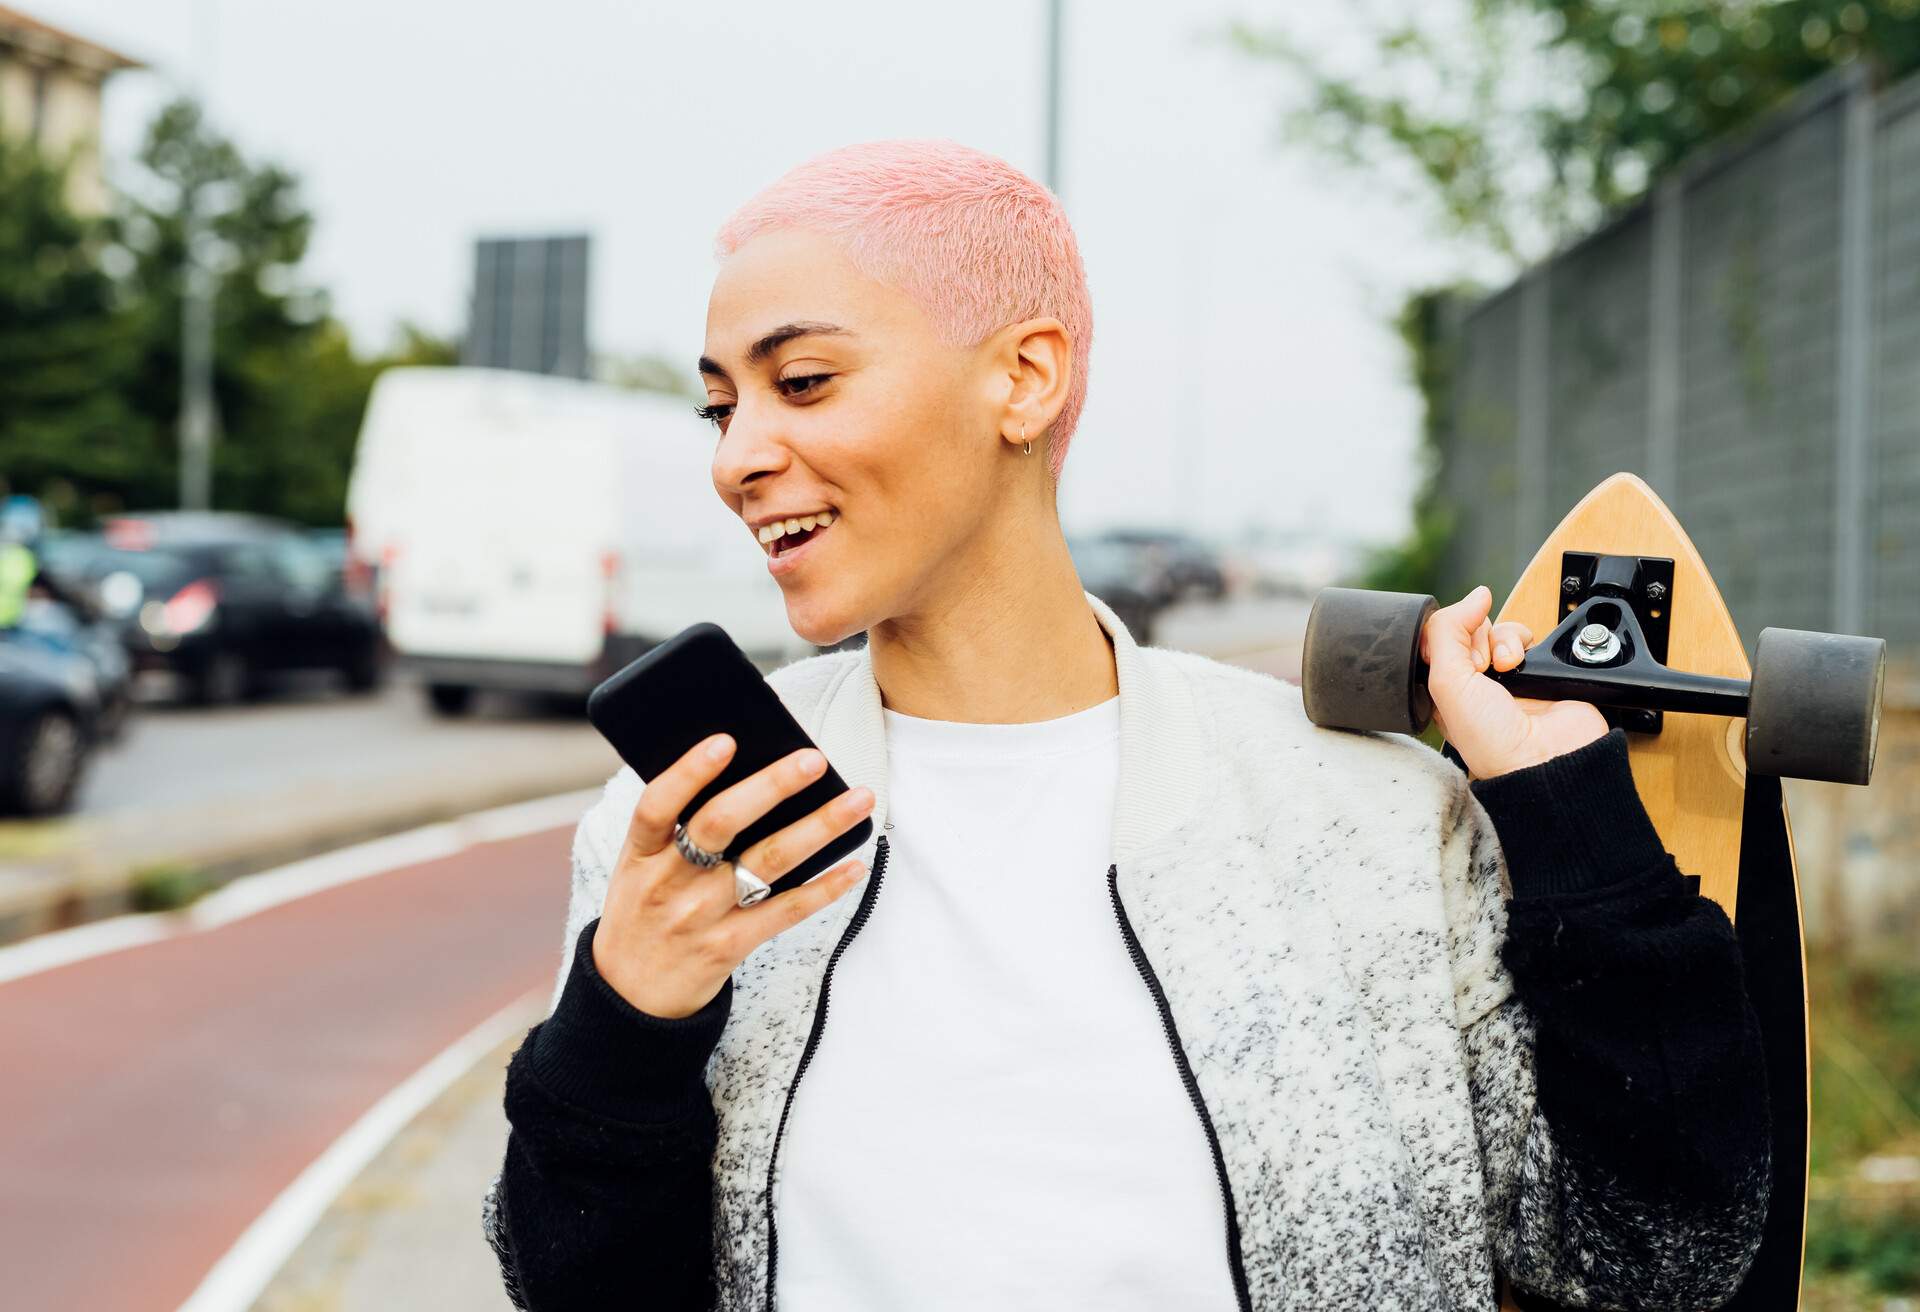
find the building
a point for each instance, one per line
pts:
(50, 84)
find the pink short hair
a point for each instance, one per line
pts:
(974, 241)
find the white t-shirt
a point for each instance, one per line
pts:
(993, 1117)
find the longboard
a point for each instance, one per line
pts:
(1724, 829)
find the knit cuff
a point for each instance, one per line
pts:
(1573, 823)
(601, 1053)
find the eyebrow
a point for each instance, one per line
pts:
(774, 340)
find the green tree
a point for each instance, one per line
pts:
(64, 347)
(415, 345)
(279, 450)
(90, 335)
(1526, 120)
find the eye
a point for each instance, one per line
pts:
(802, 385)
(718, 413)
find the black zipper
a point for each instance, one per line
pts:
(1145, 967)
(854, 926)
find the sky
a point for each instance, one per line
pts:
(1243, 369)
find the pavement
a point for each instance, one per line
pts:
(406, 1232)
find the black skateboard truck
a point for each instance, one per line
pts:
(1812, 707)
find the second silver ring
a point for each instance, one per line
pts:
(748, 887)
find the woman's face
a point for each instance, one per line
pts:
(833, 393)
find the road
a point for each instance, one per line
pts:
(305, 736)
(162, 1095)
(235, 789)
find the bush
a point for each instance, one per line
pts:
(1881, 1245)
(167, 887)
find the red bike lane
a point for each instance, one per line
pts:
(157, 1099)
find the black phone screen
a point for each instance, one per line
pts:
(699, 683)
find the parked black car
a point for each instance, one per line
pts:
(49, 715)
(224, 601)
(65, 607)
(81, 628)
(1112, 572)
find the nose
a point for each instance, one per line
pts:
(751, 448)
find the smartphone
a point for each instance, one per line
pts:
(698, 683)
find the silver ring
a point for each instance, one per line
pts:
(748, 887)
(693, 852)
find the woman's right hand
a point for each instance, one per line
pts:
(670, 932)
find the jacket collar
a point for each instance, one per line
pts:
(1163, 756)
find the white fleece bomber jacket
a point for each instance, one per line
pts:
(1323, 913)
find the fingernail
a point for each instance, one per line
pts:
(719, 747)
(811, 761)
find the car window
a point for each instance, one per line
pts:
(301, 564)
(156, 570)
(248, 562)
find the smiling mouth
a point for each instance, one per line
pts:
(787, 542)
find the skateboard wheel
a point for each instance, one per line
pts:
(1361, 668)
(1815, 707)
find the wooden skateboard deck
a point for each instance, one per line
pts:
(1729, 832)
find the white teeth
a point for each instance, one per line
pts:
(781, 527)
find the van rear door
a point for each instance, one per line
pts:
(504, 556)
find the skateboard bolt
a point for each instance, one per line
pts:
(1570, 584)
(1656, 592)
(1595, 644)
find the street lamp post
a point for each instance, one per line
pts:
(198, 417)
(1054, 20)
(196, 367)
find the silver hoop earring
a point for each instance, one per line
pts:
(1023, 438)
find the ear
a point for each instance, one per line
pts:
(1034, 360)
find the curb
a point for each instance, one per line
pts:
(74, 887)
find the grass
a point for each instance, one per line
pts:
(166, 887)
(1863, 1222)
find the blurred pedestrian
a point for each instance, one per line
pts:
(23, 579)
(21, 525)
(1156, 996)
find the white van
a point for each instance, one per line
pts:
(536, 533)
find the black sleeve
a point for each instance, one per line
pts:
(605, 1197)
(1648, 1057)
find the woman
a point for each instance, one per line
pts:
(1156, 995)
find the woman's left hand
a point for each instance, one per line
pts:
(1494, 731)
